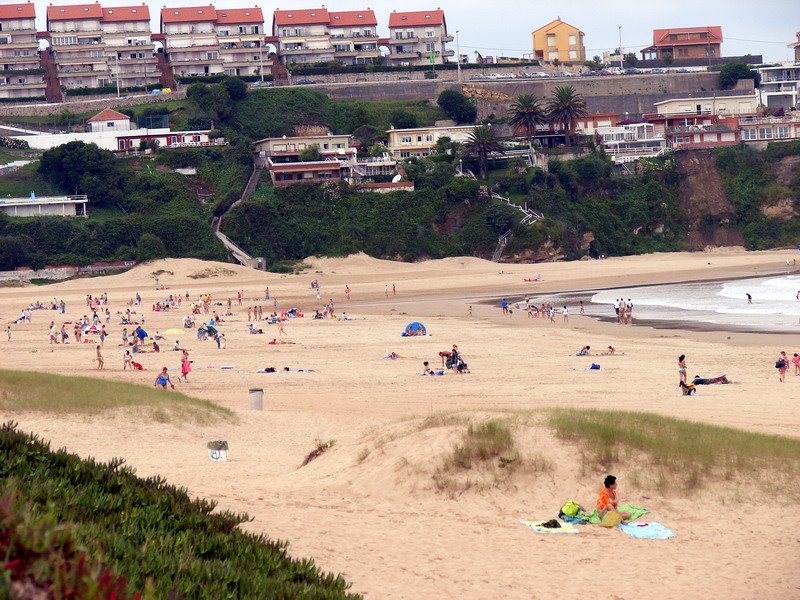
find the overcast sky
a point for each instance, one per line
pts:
(502, 27)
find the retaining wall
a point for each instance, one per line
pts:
(88, 104)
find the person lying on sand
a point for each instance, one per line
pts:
(607, 498)
(710, 380)
(275, 342)
(393, 356)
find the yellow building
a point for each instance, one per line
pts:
(559, 40)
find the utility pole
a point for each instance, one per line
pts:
(458, 57)
(620, 46)
(261, 60)
(117, 75)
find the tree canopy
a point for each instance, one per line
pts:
(731, 73)
(457, 106)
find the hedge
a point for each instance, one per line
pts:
(108, 89)
(217, 78)
(333, 68)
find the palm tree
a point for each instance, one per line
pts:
(527, 112)
(565, 108)
(481, 143)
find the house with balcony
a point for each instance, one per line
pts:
(630, 143)
(76, 40)
(685, 43)
(722, 105)
(756, 128)
(421, 141)
(240, 32)
(418, 38)
(21, 75)
(779, 86)
(302, 35)
(190, 40)
(686, 132)
(354, 36)
(130, 52)
(559, 41)
(283, 156)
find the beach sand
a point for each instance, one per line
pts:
(368, 507)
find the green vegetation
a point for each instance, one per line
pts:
(112, 524)
(527, 112)
(23, 181)
(486, 441)
(40, 392)
(457, 106)
(731, 73)
(679, 453)
(481, 143)
(751, 181)
(565, 108)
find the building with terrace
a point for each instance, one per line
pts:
(687, 132)
(756, 128)
(354, 36)
(630, 143)
(303, 36)
(685, 43)
(418, 38)
(79, 51)
(130, 52)
(21, 75)
(190, 40)
(240, 32)
(779, 86)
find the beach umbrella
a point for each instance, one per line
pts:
(174, 331)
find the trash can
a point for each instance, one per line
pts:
(256, 398)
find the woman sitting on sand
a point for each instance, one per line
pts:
(584, 351)
(607, 498)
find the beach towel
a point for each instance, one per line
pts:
(537, 527)
(649, 531)
(636, 512)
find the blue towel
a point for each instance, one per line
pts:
(650, 531)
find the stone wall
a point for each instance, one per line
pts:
(86, 104)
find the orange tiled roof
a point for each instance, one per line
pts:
(660, 36)
(189, 14)
(416, 19)
(74, 12)
(351, 18)
(311, 16)
(240, 15)
(18, 11)
(120, 14)
(108, 114)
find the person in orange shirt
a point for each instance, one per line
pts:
(607, 498)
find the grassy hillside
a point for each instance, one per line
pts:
(23, 181)
(72, 528)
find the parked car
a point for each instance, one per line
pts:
(261, 84)
(305, 82)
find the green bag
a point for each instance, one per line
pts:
(571, 509)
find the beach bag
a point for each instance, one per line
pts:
(595, 367)
(780, 364)
(571, 509)
(611, 519)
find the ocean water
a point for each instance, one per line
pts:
(775, 306)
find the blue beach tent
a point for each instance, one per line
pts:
(414, 328)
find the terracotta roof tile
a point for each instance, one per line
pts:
(240, 15)
(416, 19)
(108, 114)
(120, 14)
(312, 16)
(660, 36)
(189, 14)
(74, 12)
(351, 18)
(18, 11)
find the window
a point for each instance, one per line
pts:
(683, 52)
(572, 39)
(419, 139)
(765, 133)
(406, 139)
(551, 41)
(782, 131)
(110, 124)
(398, 35)
(573, 54)
(748, 134)
(552, 55)
(429, 138)
(430, 47)
(429, 34)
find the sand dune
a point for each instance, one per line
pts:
(369, 507)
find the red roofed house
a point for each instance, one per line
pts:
(241, 41)
(19, 52)
(76, 38)
(354, 35)
(418, 38)
(684, 43)
(109, 120)
(191, 42)
(303, 35)
(129, 48)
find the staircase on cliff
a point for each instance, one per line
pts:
(53, 90)
(167, 78)
(529, 218)
(238, 253)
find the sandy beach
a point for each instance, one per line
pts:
(369, 508)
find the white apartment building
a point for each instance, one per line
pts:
(418, 38)
(779, 86)
(130, 53)
(629, 143)
(354, 36)
(744, 104)
(240, 32)
(421, 141)
(191, 42)
(21, 75)
(303, 35)
(76, 38)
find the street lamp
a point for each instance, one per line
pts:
(458, 58)
(620, 46)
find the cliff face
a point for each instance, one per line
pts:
(708, 210)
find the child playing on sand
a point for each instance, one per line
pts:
(163, 380)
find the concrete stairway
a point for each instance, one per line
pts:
(53, 90)
(529, 218)
(240, 255)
